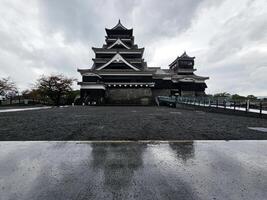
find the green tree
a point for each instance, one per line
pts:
(72, 96)
(54, 87)
(237, 97)
(223, 94)
(252, 97)
(34, 95)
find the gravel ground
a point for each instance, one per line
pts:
(126, 123)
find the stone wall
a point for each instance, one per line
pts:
(140, 96)
(200, 93)
(161, 92)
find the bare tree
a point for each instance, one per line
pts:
(7, 87)
(54, 87)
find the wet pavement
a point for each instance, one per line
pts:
(133, 170)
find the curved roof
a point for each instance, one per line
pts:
(119, 29)
(184, 55)
(119, 26)
(126, 33)
(121, 51)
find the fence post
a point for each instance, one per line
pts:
(234, 105)
(217, 103)
(247, 106)
(260, 108)
(224, 104)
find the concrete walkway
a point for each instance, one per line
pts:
(16, 109)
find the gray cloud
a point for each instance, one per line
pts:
(77, 20)
(56, 36)
(244, 30)
(85, 20)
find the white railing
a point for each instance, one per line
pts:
(246, 106)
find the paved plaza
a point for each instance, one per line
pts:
(127, 123)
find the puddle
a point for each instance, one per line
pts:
(262, 129)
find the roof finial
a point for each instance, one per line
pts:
(184, 54)
(119, 25)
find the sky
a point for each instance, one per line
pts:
(228, 38)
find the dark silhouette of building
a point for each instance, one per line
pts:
(120, 75)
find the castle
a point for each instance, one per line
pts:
(120, 74)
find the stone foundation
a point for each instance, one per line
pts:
(161, 92)
(135, 96)
(141, 96)
(199, 94)
(188, 93)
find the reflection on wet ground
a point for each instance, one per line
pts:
(133, 170)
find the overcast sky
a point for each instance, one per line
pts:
(228, 38)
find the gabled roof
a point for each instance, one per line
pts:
(118, 58)
(118, 42)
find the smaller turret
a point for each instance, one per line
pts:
(183, 64)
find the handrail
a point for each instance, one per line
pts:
(247, 106)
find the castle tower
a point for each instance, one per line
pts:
(119, 74)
